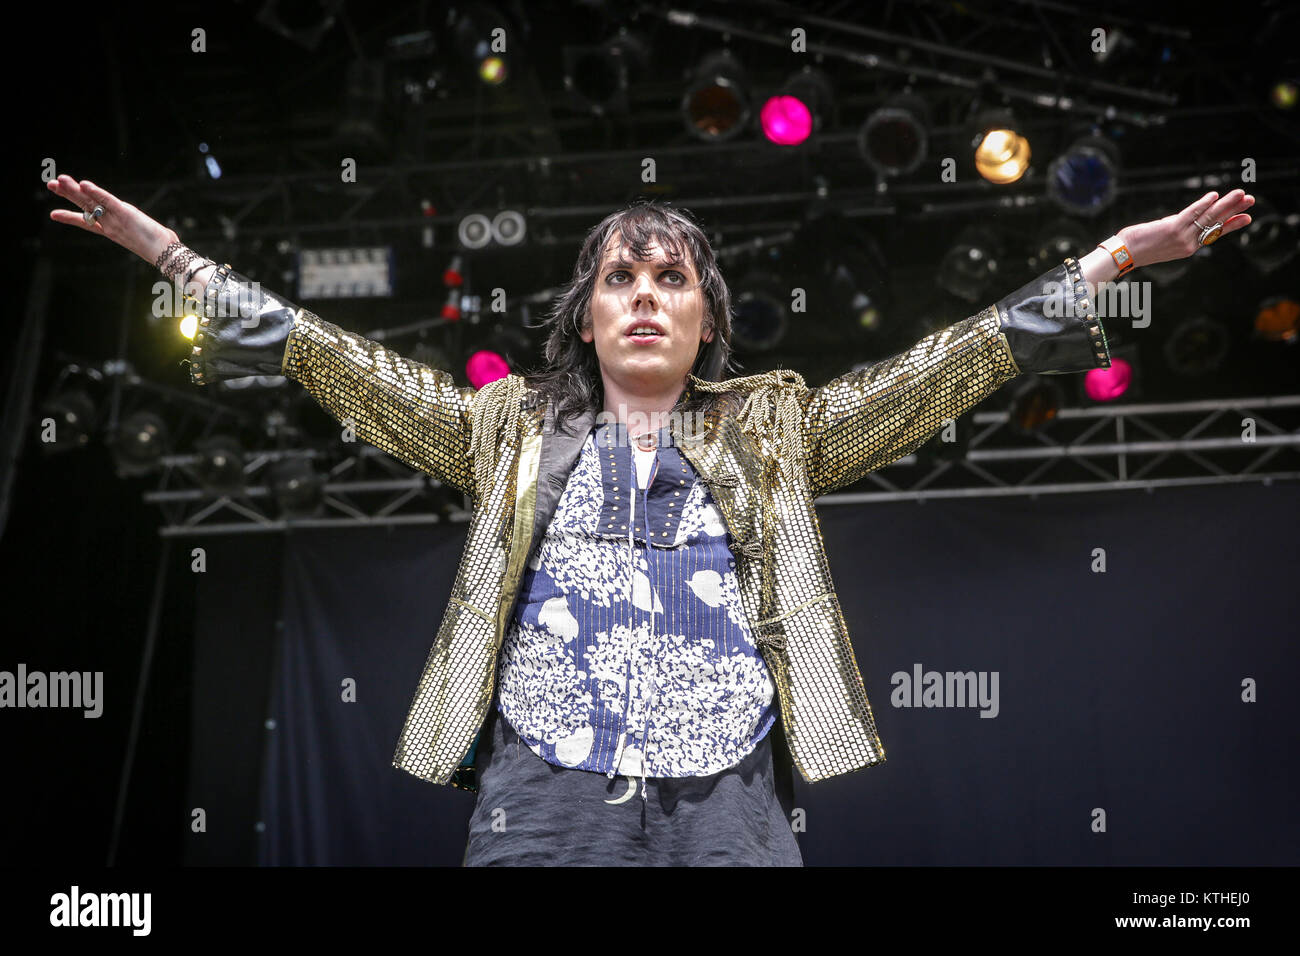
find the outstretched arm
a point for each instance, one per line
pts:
(409, 410)
(865, 419)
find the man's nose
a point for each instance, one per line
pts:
(643, 290)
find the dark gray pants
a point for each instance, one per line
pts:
(554, 816)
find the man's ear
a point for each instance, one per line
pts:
(586, 332)
(707, 334)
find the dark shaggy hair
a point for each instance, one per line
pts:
(571, 378)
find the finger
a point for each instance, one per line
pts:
(1201, 206)
(1240, 221)
(97, 196)
(69, 218)
(1226, 206)
(71, 190)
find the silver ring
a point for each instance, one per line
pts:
(1198, 224)
(1210, 234)
(92, 214)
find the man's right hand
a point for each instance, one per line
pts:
(121, 222)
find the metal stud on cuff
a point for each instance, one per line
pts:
(1090, 320)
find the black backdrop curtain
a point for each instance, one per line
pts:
(1117, 692)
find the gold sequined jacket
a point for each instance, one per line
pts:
(764, 464)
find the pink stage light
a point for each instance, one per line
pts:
(786, 120)
(483, 367)
(1108, 384)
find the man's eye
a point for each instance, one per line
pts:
(623, 272)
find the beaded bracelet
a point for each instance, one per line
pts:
(167, 254)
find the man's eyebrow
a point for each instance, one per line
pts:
(622, 263)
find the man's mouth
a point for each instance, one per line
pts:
(645, 332)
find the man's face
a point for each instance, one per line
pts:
(657, 293)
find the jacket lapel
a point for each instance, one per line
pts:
(558, 456)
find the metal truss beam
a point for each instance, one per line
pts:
(1171, 454)
(997, 463)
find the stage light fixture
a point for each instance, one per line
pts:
(474, 231)
(1108, 384)
(1083, 179)
(1060, 239)
(893, 139)
(1002, 151)
(800, 109)
(485, 366)
(74, 417)
(140, 442)
(346, 273)
(1270, 241)
(1196, 346)
(210, 165)
(479, 32)
(597, 76)
(298, 489)
(971, 264)
(863, 308)
(716, 105)
(761, 315)
(189, 324)
(1278, 320)
(220, 468)
(509, 227)
(844, 270)
(451, 310)
(1035, 404)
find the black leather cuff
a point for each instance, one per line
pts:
(1051, 324)
(244, 330)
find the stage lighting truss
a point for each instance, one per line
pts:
(299, 488)
(1110, 447)
(1086, 449)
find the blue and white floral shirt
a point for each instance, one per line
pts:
(629, 651)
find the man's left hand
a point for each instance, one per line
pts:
(1178, 236)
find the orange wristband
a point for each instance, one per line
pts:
(1119, 252)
